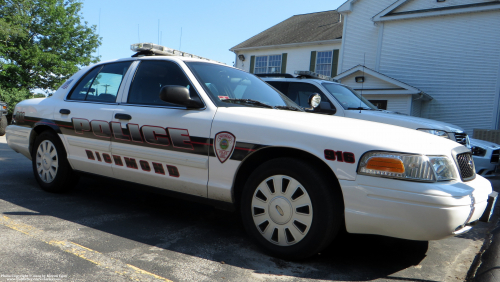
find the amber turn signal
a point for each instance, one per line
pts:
(386, 164)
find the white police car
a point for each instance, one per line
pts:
(215, 132)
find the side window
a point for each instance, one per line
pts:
(300, 92)
(281, 86)
(83, 87)
(101, 84)
(151, 76)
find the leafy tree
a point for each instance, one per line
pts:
(42, 43)
(13, 96)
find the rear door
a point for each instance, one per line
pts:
(84, 117)
(161, 144)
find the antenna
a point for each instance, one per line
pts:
(180, 40)
(158, 31)
(99, 48)
(363, 83)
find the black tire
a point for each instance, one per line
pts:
(53, 173)
(3, 125)
(326, 208)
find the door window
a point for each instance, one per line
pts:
(151, 76)
(101, 84)
(300, 92)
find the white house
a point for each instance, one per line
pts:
(445, 49)
(302, 42)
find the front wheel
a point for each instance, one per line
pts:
(50, 166)
(291, 209)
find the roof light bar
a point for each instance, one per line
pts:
(164, 51)
(311, 74)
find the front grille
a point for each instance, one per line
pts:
(466, 166)
(495, 156)
(461, 138)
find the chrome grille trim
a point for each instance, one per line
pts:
(465, 165)
(461, 138)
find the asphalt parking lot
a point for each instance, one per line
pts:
(104, 231)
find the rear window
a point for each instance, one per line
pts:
(101, 84)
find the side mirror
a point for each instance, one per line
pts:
(314, 101)
(179, 95)
(326, 108)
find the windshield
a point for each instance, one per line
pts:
(230, 87)
(348, 98)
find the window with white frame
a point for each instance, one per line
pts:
(324, 63)
(268, 64)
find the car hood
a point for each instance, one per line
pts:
(304, 130)
(483, 144)
(402, 120)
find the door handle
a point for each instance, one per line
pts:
(123, 116)
(64, 111)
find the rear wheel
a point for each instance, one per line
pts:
(50, 165)
(3, 125)
(291, 209)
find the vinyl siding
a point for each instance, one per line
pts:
(298, 58)
(416, 107)
(361, 35)
(414, 5)
(370, 82)
(455, 59)
(395, 103)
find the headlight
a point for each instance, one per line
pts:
(407, 167)
(478, 151)
(440, 133)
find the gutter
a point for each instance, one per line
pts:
(333, 41)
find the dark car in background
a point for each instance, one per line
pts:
(3, 118)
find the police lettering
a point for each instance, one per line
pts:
(154, 135)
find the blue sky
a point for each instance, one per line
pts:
(209, 28)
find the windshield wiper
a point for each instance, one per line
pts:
(248, 101)
(361, 108)
(290, 108)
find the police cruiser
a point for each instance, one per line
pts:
(185, 124)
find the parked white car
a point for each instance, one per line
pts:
(199, 128)
(340, 100)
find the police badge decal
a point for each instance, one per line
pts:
(224, 145)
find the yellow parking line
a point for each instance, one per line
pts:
(85, 253)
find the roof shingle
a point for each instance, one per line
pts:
(298, 29)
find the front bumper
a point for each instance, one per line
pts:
(413, 210)
(484, 166)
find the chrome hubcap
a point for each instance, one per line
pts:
(47, 161)
(282, 210)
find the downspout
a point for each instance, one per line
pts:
(342, 48)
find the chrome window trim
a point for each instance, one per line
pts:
(159, 106)
(91, 102)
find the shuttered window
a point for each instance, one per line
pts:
(324, 63)
(268, 64)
